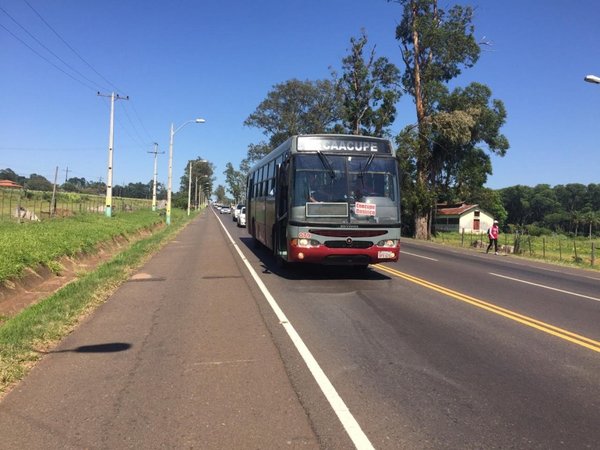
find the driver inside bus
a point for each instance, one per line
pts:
(314, 193)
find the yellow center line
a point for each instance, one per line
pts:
(529, 321)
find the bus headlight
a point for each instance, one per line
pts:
(305, 243)
(388, 243)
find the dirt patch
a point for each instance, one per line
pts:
(39, 283)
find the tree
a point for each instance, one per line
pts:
(236, 181)
(516, 200)
(435, 46)
(201, 170)
(9, 174)
(296, 107)
(369, 89)
(542, 203)
(220, 194)
(38, 183)
(255, 153)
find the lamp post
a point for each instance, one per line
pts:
(170, 178)
(154, 178)
(190, 185)
(592, 79)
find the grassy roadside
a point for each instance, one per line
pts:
(580, 252)
(42, 243)
(24, 337)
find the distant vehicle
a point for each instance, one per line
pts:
(241, 221)
(236, 211)
(225, 210)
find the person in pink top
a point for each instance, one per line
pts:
(493, 235)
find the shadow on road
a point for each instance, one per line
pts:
(110, 347)
(305, 271)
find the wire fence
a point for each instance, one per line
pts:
(21, 205)
(579, 250)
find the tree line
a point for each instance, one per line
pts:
(572, 208)
(445, 154)
(36, 182)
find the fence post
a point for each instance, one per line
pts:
(544, 247)
(593, 254)
(462, 238)
(575, 250)
(529, 242)
(559, 249)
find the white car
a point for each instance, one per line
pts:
(241, 220)
(225, 210)
(236, 211)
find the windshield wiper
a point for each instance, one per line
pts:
(364, 169)
(327, 164)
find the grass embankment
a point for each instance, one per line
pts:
(580, 252)
(24, 336)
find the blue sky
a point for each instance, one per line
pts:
(182, 59)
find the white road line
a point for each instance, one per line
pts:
(546, 287)
(418, 256)
(356, 434)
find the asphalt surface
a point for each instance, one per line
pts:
(178, 357)
(445, 349)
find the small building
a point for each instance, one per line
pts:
(9, 184)
(462, 218)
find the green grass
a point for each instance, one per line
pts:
(559, 249)
(33, 243)
(24, 336)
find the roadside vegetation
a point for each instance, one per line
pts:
(30, 244)
(25, 337)
(556, 248)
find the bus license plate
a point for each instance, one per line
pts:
(385, 254)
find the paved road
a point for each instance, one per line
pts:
(444, 349)
(451, 348)
(179, 357)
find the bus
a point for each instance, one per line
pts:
(327, 199)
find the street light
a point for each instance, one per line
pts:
(169, 184)
(190, 184)
(592, 79)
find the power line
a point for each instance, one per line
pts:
(70, 47)
(47, 49)
(46, 59)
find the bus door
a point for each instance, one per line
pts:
(281, 210)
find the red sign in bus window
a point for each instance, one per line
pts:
(365, 209)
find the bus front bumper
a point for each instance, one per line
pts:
(322, 254)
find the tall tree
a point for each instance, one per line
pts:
(202, 171)
(435, 46)
(236, 181)
(370, 88)
(220, 194)
(296, 107)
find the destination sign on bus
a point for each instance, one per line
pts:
(342, 144)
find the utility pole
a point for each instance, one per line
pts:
(66, 174)
(113, 97)
(53, 206)
(155, 174)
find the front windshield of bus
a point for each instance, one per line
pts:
(345, 189)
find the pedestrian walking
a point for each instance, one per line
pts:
(493, 236)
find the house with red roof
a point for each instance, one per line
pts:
(462, 217)
(9, 184)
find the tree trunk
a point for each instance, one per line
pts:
(421, 227)
(421, 217)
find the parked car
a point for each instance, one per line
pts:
(241, 221)
(236, 211)
(225, 210)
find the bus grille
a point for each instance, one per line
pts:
(351, 244)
